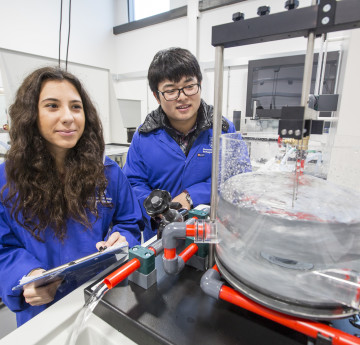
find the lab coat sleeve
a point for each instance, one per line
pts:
(136, 172)
(127, 217)
(15, 262)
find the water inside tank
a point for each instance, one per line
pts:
(304, 250)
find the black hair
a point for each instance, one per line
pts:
(172, 64)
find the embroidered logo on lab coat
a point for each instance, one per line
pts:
(105, 200)
(206, 150)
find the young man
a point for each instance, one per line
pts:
(172, 149)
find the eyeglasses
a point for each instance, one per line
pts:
(174, 94)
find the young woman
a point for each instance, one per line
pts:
(60, 195)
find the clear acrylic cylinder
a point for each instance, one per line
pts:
(288, 222)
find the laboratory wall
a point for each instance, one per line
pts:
(32, 27)
(132, 62)
(30, 34)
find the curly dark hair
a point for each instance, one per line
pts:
(38, 195)
(172, 64)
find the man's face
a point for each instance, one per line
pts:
(181, 112)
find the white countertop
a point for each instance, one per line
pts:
(54, 325)
(115, 150)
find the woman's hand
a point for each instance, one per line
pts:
(181, 198)
(114, 239)
(36, 296)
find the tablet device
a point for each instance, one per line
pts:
(81, 269)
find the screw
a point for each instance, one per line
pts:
(238, 16)
(263, 10)
(291, 4)
(325, 20)
(326, 8)
(156, 201)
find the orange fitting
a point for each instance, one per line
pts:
(188, 252)
(215, 268)
(200, 230)
(152, 249)
(169, 254)
(191, 230)
(121, 273)
(196, 230)
(309, 328)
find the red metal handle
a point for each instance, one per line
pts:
(121, 273)
(310, 328)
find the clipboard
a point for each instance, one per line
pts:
(79, 270)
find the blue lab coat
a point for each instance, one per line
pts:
(20, 252)
(156, 161)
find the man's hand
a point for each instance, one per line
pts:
(115, 238)
(36, 296)
(181, 198)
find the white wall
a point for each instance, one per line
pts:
(345, 157)
(33, 27)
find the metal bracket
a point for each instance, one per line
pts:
(329, 16)
(326, 13)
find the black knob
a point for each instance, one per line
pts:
(291, 4)
(263, 10)
(238, 16)
(157, 202)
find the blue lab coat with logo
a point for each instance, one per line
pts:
(20, 252)
(156, 161)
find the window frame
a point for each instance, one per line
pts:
(204, 5)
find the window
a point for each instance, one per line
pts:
(139, 9)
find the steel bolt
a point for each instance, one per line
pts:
(238, 16)
(263, 10)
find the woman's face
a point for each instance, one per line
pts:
(61, 117)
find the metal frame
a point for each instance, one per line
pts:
(344, 15)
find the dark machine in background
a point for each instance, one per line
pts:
(275, 83)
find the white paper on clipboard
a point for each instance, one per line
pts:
(79, 269)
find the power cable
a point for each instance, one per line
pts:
(61, 5)
(68, 41)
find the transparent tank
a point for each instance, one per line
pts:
(288, 222)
